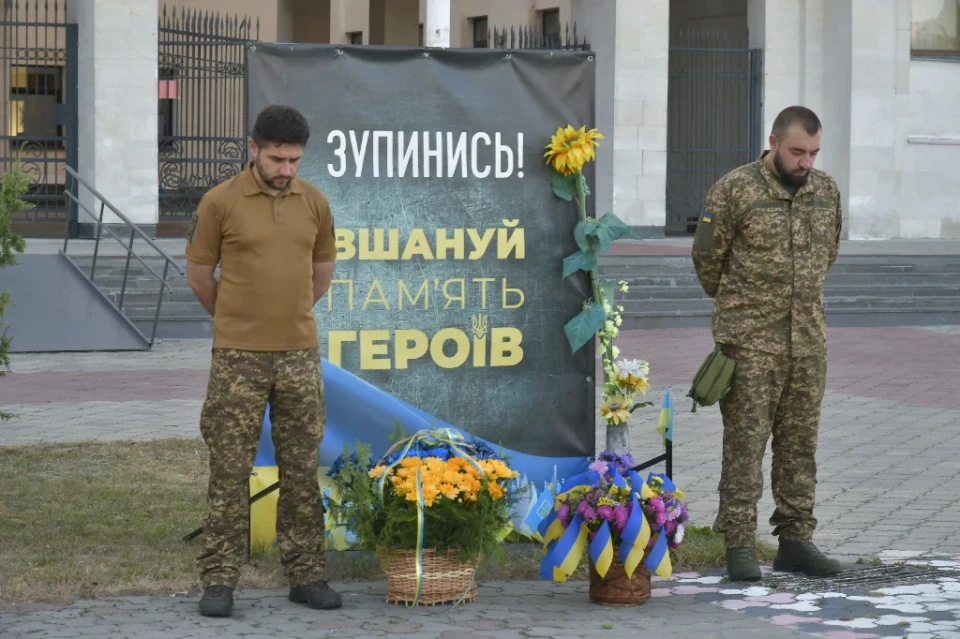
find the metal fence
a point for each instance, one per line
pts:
(534, 37)
(38, 107)
(713, 118)
(202, 105)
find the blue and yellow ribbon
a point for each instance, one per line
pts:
(562, 549)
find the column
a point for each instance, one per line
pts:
(117, 102)
(873, 126)
(436, 26)
(631, 38)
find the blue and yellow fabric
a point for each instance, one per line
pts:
(360, 411)
(563, 549)
(263, 512)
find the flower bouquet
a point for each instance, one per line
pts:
(430, 508)
(627, 524)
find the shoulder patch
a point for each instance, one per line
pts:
(707, 217)
(192, 229)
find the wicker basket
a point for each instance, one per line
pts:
(615, 589)
(445, 578)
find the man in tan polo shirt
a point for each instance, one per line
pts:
(273, 236)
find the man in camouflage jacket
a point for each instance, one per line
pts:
(768, 235)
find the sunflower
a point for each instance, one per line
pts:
(570, 149)
(614, 410)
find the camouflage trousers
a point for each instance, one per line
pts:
(231, 422)
(780, 396)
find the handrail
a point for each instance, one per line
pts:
(135, 231)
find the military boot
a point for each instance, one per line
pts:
(316, 594)
(217, 601)
(742, 564)
(805, 557)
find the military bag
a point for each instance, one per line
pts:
(713, 380)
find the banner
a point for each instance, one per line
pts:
(447, 292)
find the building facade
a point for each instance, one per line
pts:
(686, 90)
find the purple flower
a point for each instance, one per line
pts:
(670, 527)
(606, 512)
(564, 514)
(661, 519)
(627, 462)
(583, 507)
(599, 467)
(589, 514)
(620, 517)
(657, 505)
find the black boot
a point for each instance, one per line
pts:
(316, 594)
(217, 601)
(742, 564)
(805, 557)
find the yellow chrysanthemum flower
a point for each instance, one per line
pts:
(495, 490)
(570, 149)
(449, 491)
(614, 410)
(376, 471)
(410, 462)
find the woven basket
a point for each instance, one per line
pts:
(445, 578)
(616, 589)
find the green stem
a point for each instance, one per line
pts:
(594, 283)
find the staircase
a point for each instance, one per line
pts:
(861, 290)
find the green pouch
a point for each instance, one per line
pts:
(713, 380)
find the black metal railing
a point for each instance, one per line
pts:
(713, 117)
(202, 71)
(38, 105)
(75, 195)
(534, 37)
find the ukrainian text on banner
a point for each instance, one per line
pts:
(447, 291)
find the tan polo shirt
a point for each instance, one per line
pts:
(266, 248)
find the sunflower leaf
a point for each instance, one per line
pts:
(584, 326)
(564, 186)
(610, 229)
(585, 235)
(640, 405)
(611, 387)
(581, 260)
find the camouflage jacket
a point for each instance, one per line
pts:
(764, 255)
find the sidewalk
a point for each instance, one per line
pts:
(689, 606)
(888, 478)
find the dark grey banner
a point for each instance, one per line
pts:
(448, 289)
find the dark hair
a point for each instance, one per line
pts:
(278, 124)
(796, 115)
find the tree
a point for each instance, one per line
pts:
(12, 185)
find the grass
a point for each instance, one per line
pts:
(96, 519)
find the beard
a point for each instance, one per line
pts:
(791, 179)
(277, 183)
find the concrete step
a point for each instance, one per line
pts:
(906, 280)
(664, 292)
(859, 302)
(637, 293)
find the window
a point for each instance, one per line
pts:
(935, 27)
(168, 94)
(35, 92)
(479, 32)
(550, 28)
(355, 37)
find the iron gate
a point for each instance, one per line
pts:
(202, 107)
(713, 119)
(38, 108)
